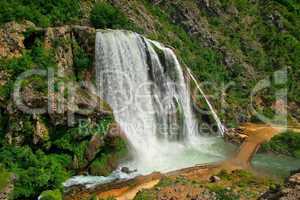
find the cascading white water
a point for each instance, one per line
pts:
(143, 82)
(215, 116)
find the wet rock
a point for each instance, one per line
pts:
(235, 135)
(94, 147)
(127, 170)
(214, 179)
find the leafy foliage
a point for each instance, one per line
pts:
(104, 15)
(287, 143)
(51, 195)
(41, 12)
(36, 58)
(35, 171)
(82, 61)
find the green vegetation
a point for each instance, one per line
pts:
(41, 12)
(104, 15)
(287, 143)
(255, 44)
(225, 194)
(35, 171)
(46, 166)
(51, 195)
(4, 178)
(235, 185)
(115, 150)
(38, 57)
(82, 61)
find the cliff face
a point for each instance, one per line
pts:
(71, 130)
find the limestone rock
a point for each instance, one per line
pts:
(60, 39)
(12, 38)
(41, 132)
(214, 179)
(94, 147)
(294, 179)
(235, 136)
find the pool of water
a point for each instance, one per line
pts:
(202, 150)
(275, 165)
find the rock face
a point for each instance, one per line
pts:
(41, 132)
(12, 38)
(291, 190)
(60, 39)
(94, 146)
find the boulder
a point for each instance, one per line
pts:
(214, 179)
(235, 136)
(94, 147)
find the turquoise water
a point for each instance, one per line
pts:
(275, 165)
(203, 150)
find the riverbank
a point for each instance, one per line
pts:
(257, 134)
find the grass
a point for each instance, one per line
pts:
(4, 178)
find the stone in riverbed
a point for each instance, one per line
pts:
(214, 179)
(126, 170)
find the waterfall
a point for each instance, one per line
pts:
(143, 82)
(215, 116)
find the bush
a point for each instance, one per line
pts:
(41, 12)
(51, 195)
(104, 15)
(82, 61)
(287, 143)
(35, 171)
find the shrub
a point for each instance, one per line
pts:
(35, 171)
(51, 195)
(287, 143)
(41, 12)
(104, 15)
(82, 61)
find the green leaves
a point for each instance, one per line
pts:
(287, 143)
(41, 12)
(104, 15)
(35, 171)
